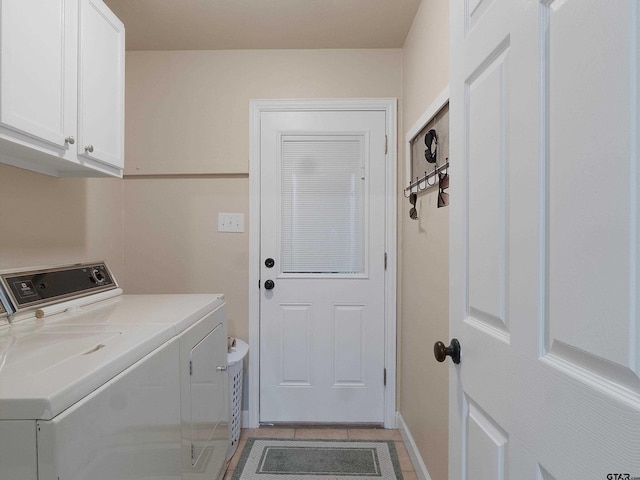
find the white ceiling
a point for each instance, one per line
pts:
(254, 24)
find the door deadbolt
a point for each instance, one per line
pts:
(269, 262)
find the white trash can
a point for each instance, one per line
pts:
(235, 364)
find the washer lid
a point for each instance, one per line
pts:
(46, 369)
(48, 364)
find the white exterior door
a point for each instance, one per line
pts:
(322, 261)
(544, 240)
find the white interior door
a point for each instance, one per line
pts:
(544, 240)
(322, 301)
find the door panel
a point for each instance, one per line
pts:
(544, 239)
(583, 220)
(349, 345)
(296, 350)
(487, 452)
(322, 323)
(485, 90)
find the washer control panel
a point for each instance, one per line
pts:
(45, 286)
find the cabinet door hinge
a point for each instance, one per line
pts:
(384, 377)
(190, 367)
(192, 452)
(386, 144)
(385, 260)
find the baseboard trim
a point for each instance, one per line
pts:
(245, 419)
(416, 459)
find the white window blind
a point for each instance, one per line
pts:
(322, 205)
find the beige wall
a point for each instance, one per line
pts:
(47, 221)
(424, 279)
(188, 111)
(172, 244)
(187, 151)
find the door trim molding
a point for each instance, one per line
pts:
(389, 106)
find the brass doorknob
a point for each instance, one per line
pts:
(453, 350)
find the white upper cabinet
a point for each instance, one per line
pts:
(62, 87)
(101, 84)
(34, 49)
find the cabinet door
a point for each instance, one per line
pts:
(207, 394)
(205, 397)
(37, 40)
(100, 84)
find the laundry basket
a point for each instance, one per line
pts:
(235, 363)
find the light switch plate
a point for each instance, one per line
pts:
(231, 222)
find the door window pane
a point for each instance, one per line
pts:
(322, 205)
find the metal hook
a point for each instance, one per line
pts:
(425, 179)
(428, 180)
(432, 175)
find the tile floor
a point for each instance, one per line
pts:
(406, 466)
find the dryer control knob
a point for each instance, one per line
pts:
(97, 276)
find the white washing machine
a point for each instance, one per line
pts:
(98, 385)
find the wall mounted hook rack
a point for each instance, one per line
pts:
(423, 183)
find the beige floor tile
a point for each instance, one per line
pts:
(409, 475)
(403, 457)
(322, 433)
(237, 455)
(267, 433)
(374, 434)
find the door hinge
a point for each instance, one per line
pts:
(384, 377)
(386, 144)
(385, 260)
(192, 452)
(258, 284)
(190, 367)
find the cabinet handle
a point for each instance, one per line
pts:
(222, 369)
(88, 149)
(70, 140)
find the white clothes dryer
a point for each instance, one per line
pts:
(98, 385)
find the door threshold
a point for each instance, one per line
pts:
(371, 426)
